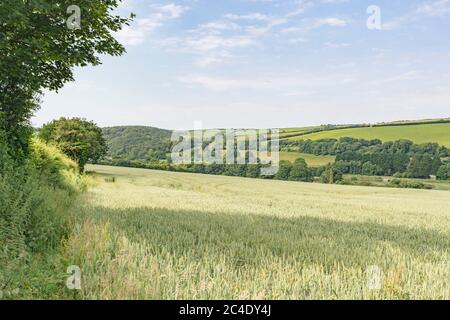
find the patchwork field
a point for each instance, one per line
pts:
(311, 160)
(158, 235)
(423, 133)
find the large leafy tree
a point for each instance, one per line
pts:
(79, 139)
(300, 171)
(420, 166)
(39, 48)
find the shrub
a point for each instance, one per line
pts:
(34, 198)
(54, 167)
(331, 175)
(399, 183)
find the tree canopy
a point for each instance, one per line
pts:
(39, 49)
(79, 139)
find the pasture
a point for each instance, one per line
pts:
(311, 160)
(165, 235)
(423, 133)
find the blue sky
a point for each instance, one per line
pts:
(267, 63)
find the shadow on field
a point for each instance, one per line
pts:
(251, 239)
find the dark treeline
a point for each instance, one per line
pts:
(297, 171)
(334, 147)
(400, 158)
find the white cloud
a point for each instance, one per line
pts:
(136, 33)
(300, 83)
(437, 8)
(336, 45)
(215, 41)
(251, 16)
(331, 22)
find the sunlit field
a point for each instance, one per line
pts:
(423, 133)
(164, 235)
(311, 160)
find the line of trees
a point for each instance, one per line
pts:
(335, 147)
(400, 158)
(288, 171)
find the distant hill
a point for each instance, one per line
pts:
(418, 133)
(137, 143)
(146, 144)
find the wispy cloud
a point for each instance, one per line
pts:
(216, 41)
(137, 33)
(300, 83)
(436, 8)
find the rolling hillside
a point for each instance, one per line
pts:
(137, 143)
(140, 143)
(420, 133)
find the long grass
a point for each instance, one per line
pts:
(165, 235)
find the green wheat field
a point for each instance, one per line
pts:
(165, 235)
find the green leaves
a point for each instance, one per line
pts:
(38, 51)
(79, 139)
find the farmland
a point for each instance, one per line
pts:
(159, 235)
(421, 133)
(311, 160)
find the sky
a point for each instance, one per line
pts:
(267, 64)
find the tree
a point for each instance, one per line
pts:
(283, 170)
(300, 171)
(331, 175)
(420, 166)
(39, 47)
(253, 170)
(436, 164)
(79, 139)
(370, 169)
(444, 172)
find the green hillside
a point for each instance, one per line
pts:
(140, 143)
(421, 133)
(137, 143)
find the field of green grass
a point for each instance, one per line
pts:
(423, 133)
(161, 235)
(381, 181)
(311, 160)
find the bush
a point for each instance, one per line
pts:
(54, 167)
(34, 198)
(399, 183)
(331, 175)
